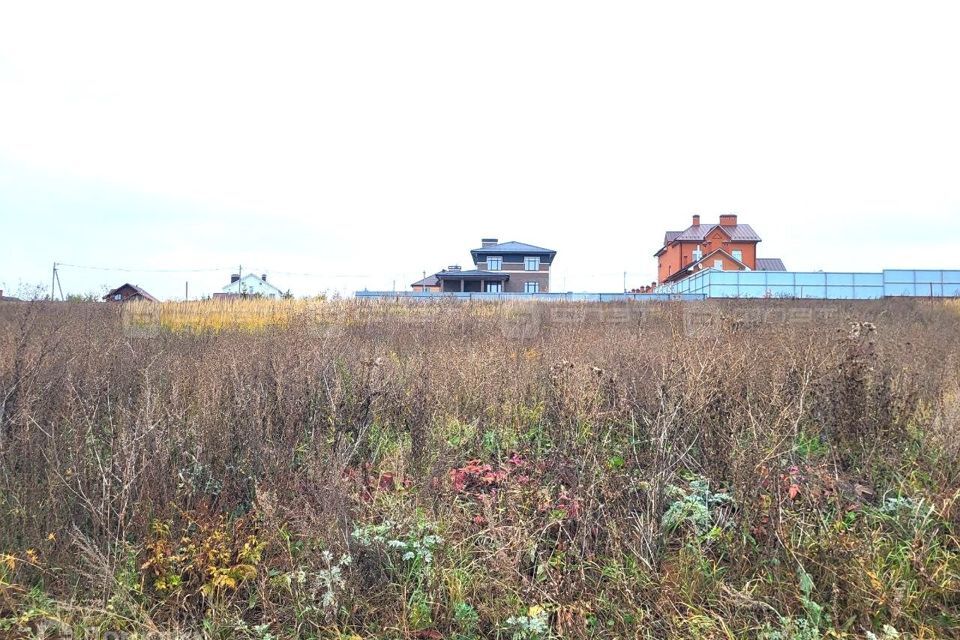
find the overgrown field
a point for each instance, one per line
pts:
(780, 470)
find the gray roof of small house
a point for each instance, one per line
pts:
(429, 281)
(770, 264)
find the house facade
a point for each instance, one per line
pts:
(724, 246)
(250, 285)
(499, 267)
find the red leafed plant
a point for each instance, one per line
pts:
(476, 477)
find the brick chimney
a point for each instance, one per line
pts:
(696, 219)
(234, 277)
(728, 220)
(453, 267)
(263, 277)
(487, 242)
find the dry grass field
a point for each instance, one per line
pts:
(779, 470)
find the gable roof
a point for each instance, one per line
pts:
(261, 283)
(693, 265)
(770, 264)
(142, 292)
(737, 232)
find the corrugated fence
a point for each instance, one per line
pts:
(820, 285)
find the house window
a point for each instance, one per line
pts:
(494, 287)
(531, 287)
(531, 264)
(718, 265)
(697, 254)
(738, 255)
(494, 263)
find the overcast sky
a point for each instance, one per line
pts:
(366, 142)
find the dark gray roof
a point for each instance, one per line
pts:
(770, 264)
(513, 247)
(429, 281)
(472, 274)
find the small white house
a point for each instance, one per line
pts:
(249, 285)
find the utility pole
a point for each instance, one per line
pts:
(624, 281)
(53, 280)
(186, 291)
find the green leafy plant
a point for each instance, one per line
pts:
(696, 509)
(533, 625)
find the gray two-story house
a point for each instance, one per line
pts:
(501, 267)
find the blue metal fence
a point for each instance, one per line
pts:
(819, 284)
(541, 297)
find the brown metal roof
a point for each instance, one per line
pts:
(670, 237)
(737, 232)
(699, 232)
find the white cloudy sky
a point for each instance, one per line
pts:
(365, 142)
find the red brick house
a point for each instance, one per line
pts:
(724, 246)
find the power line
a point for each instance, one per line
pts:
(313, 275)
(82, 266)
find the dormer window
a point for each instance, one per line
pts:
(494, 263)
(697, 254)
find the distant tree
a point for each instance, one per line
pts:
(89, 296)
(287, 295)
(28, 291)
